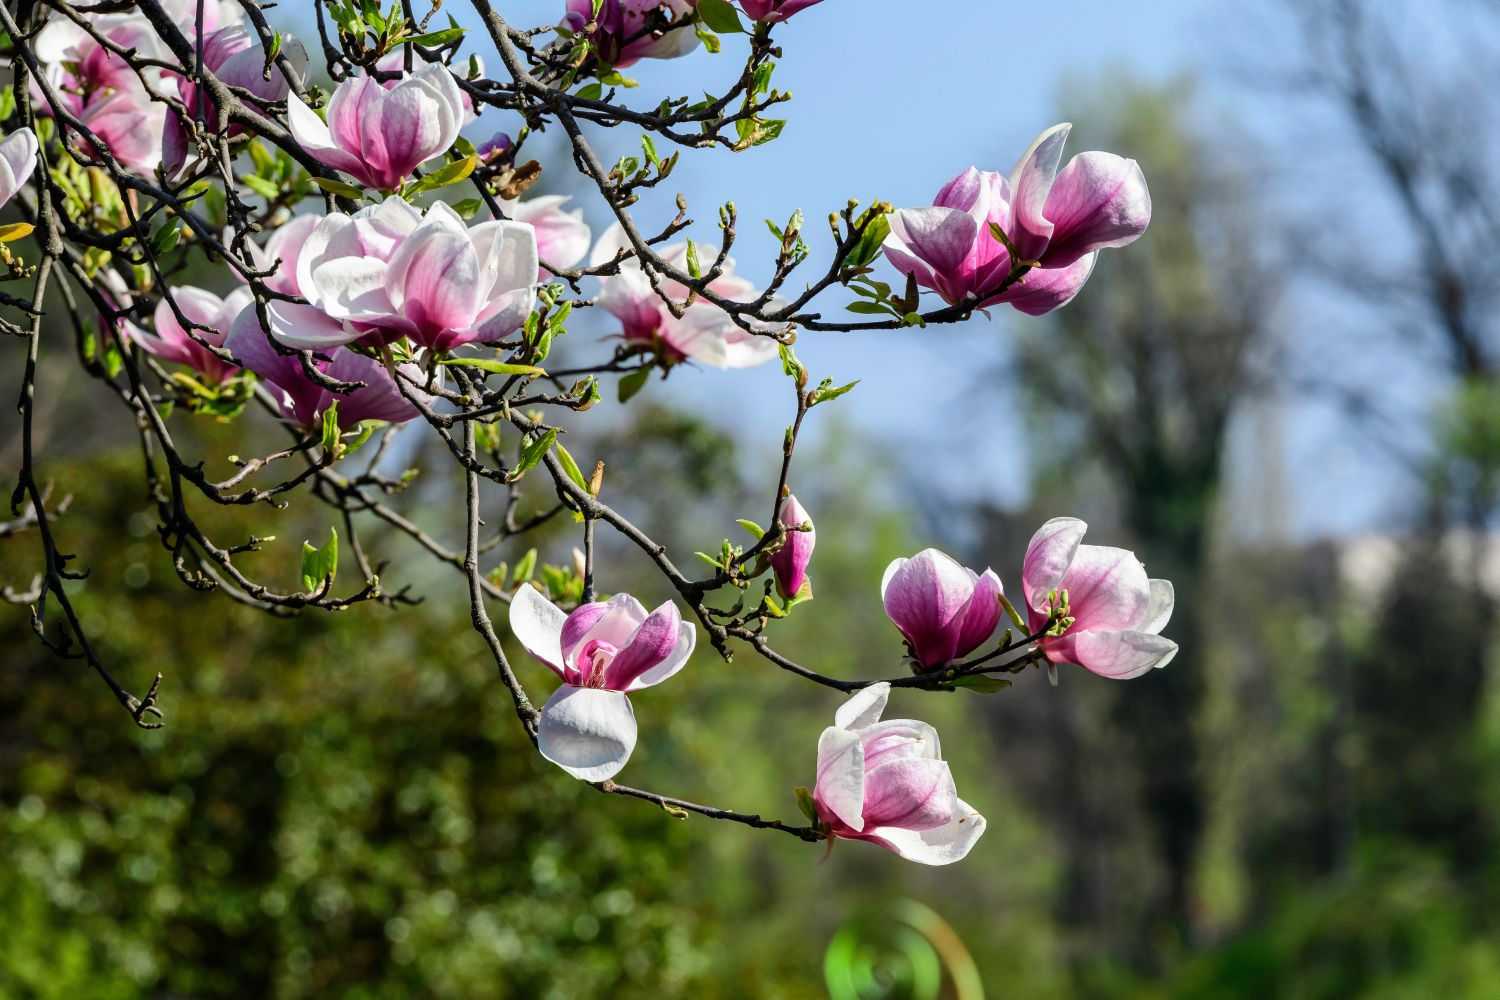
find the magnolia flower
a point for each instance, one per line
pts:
(101, 90)
(601, 651)
(562, 238)
(1058, 220)
(1107, 614)
(238, 60)
(775, 10)
(379, 136)
(628, 30)
(789, 563)
(285, 245)
(943, 609)
(202, 309)
(303, 401)
(704, 332)
(17, 161)
(887, 783)
(389, 271)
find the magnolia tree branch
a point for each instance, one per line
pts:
(393, 280)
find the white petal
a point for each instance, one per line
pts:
(841, 776)
(940, 846)
(305, 327)
(1159, 609)
(890, 571)
(863, 707)
(587, 732)
(537, 624)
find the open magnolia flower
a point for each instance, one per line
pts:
(601, 651)
(238, 60)
(704, 332)
(303, 401)
(887, 782)
(379, 135)
(100, 89)
(943, 609)
(389, 271)
(1056, 219)
(1107, 614)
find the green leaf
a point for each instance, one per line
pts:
(525, 568)
(332, 186)
(332, 441)
(790, 365)
(802, 596)
(805, 803)
(823, 395)
(433, 39)
(498, 367)
(756, 531)
(591, 91)
(1015, 616)
(980, 684)
(720, 16)
(320, 564)
(270, 190)
(15, 231)
(634, 383)
(570, 467)
(694, 268)
(533, 452)
(649, 148)
(164, 240)
(870, 241)
(468, 208)
(868, 308)
(448, 173)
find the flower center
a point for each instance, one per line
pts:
(593, 658)
(1058, 612)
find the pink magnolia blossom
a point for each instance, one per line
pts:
(101, 90)
(704, 333)
(601, 651)
(303, 401)
(887, 783)
(238, 60)
(285, 245)
(629, 30)
(775, 10)
(377, 135)
(789, 563)
(201, 308)
(1057, 219)
(389, 271)
(562, 237)
(17, 161)
(1111, 614)
(943, 609)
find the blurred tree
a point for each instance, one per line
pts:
(1129, 393)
